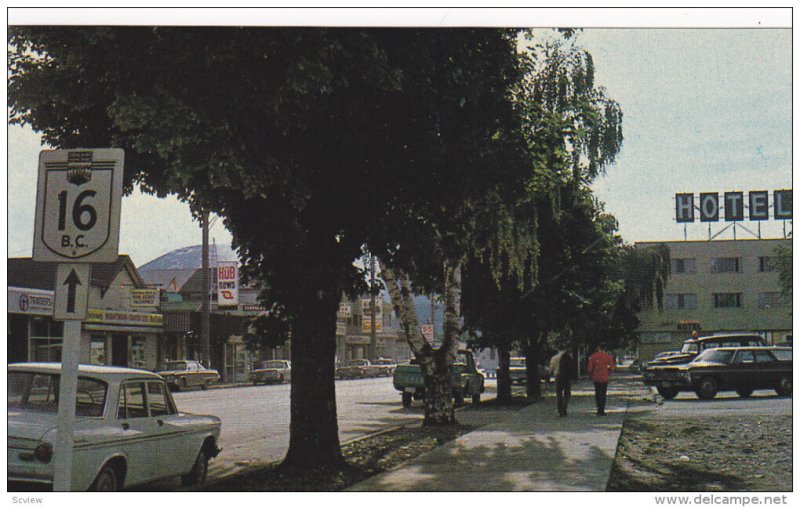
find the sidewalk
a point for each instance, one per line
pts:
(530, 449)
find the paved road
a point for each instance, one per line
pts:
(255, 419)
(762, 402)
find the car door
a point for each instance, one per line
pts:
(139, 429)
(176, 451)
(743, 370)
(767, 375)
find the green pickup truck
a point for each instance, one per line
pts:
(466, 380)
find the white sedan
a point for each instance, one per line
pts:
(127, 429)
(273, 371)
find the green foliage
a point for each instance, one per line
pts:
(783, 264)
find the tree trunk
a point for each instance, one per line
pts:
(436, 365)
(503, 376)
(314, 432)
(534, 385)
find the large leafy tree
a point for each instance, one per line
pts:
(311, 143)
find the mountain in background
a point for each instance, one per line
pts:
(190, 257)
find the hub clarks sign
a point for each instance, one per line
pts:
(710, 207)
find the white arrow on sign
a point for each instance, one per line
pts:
(78, 201)
(71, 297)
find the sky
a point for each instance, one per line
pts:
(705, 110)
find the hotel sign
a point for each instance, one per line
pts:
(732, 206)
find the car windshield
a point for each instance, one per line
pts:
(273, 364)
(517, 363)
(172, 366)
(690, 348)
(38, 392)
(715, 356)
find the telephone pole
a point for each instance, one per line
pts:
(205, 315)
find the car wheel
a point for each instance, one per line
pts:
(706, 388)
(183, 384)
(476, 398)
(197, 475)
(204, 386)
(106, 480)
(667, 392)
(784, 386)
(407, 397)
(459, 398)
(744, 392)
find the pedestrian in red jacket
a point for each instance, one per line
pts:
(601, 364)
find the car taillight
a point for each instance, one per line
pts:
(43, 452)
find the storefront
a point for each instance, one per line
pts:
(118, 338)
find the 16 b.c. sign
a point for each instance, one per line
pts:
(734, 203)
(78, 205)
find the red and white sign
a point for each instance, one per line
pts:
(427, 332)
(227, 283)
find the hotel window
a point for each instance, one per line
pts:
(683, 266)
(725, 265)
(727, 300)
(770, 300)
(765, 265)
(681, 302)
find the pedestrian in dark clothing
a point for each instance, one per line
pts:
(601, 364)
(561, 368)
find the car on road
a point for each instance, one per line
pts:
(184, 374)
(275, 370)
(466, 380)
(740, 369)
(356, 368)
(385, 367)
(127, 430)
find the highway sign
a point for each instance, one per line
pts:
(78, 200)
(71, 291)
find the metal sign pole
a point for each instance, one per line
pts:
(68, 387)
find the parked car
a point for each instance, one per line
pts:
(128, 430)
(185, 374)
(740, 369)
(466, 380)
(275, 370)
(693, 346)
(385, 367)
(517, 370)
(356, 368)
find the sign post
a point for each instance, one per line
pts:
(78, 199)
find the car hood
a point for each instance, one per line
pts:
(683, 358)
(30, 425)
(268, 370)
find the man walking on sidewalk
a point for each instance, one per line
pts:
(601, 364)
(561, 368)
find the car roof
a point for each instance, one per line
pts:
(82, 368)
(751, 348)
(724, 337)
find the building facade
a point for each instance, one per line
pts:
(715, 287)
(123, 325)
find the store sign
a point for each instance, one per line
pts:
(655, 338)
(254, 308)
(345, 311)
(227, 283)
(709, 206)
(96, 316)
(30, 301)
(145, 297)
(366, 315)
